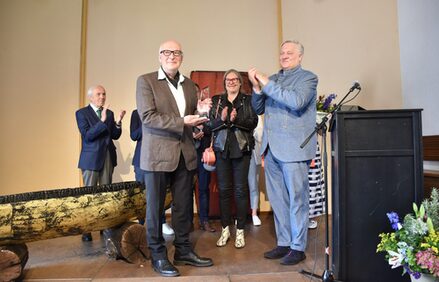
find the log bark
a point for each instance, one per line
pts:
(128, 242)
(13, 258)
(54, 213)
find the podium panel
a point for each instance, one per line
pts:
(377, 168)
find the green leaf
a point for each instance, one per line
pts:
(415, 209)
(430, 225)
(422, 211)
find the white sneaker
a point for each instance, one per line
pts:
(312, 224)
(167, 230)
(256, 220)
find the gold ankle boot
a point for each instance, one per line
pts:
(239, 241)
(225, 235)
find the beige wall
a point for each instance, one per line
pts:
(40, 59)
(347, 41)
(39, 71)
(124, 38)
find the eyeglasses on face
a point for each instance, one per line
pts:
(232, 80)
(167, 53)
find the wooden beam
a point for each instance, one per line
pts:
(82, 65)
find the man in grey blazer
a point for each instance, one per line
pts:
(167, 105)
(288, 100)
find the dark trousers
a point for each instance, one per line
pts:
(139, 174)
(182, 195)
(232, 175)
(203, 190)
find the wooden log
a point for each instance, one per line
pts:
(53, 213)
(128, 242)
(13, 258)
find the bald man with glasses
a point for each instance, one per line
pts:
(167, 105)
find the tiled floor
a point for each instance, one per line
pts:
(70, 259)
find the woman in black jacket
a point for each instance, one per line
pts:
(232, 121)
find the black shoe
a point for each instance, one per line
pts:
(164, 267)
(277, 253)
(293, 257)
(86, 237)
(193, 259)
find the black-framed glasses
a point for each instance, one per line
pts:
(232, 80)
(167, 53)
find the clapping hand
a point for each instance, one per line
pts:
(224, 113)
(104, 113)
(121, 115)
(233, 114)
(254, 81)
(257, 79)
(198, 135)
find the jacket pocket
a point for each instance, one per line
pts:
(242, 139)
(220, 140)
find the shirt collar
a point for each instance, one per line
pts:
(290, 71)
(162, 75)
(94, 107)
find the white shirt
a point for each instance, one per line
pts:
(178, 93)
(94, 108)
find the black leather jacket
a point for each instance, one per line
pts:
(246, 120)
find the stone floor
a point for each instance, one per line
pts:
(70, 259)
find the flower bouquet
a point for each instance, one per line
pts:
(414, 244)
(324, 105)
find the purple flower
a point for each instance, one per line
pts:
(328, 101)
(416, 274)
(394, 220)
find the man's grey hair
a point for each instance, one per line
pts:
(91, 89)
(297, 43)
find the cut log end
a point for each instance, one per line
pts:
(13, 258)
(128, 242)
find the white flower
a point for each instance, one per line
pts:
(395, 259)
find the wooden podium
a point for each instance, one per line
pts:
(376, 169)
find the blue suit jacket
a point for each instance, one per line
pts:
(97, 137)
(136, 135)
(288, 101)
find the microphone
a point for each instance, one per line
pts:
(355, 85)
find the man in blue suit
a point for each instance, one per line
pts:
(288, 100)
(98, 130)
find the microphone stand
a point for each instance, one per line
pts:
(328, 274)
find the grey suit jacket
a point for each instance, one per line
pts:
(164, 134)
(289, 103)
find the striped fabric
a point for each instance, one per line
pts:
(316, 186)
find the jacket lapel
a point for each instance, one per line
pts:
(167, 94)
(188, 96)
(92, 115)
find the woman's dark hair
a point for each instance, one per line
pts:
(237, 74)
